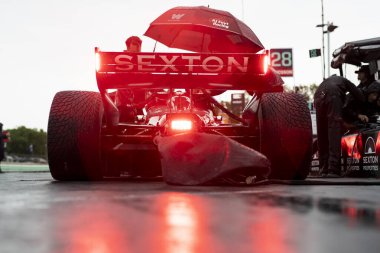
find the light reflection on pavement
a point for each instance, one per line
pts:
(40, 215)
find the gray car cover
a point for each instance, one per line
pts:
(199, 159)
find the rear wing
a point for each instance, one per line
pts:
(181, 70)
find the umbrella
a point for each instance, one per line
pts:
(202, 29)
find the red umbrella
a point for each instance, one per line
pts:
(202, 29)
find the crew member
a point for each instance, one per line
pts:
(126, 97)
(328, 99)
(133, 44)
(351, 106)
(2, 137)
(354, 111)
(364, 77)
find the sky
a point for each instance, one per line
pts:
(47, 46)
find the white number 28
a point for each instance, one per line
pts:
(281, 59)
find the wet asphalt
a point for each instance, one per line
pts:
(38, 214)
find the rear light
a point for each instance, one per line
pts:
(377, 148)
(97, 62)
(181, 125)
(97, 59)
(358, 147)
(352, 145)
(176, 123)
(266, 63)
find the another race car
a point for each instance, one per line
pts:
(170, 99)
(361, 146)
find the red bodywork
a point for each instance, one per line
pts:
(352, 145)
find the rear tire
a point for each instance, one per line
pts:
(74, 136)
(286, 134)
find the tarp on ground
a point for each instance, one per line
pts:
(200, 158)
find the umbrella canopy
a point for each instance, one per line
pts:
(202, 29)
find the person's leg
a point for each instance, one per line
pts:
(322, 136)
(334, 115)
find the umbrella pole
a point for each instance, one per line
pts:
(154, 49)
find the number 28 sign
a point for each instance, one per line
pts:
(282, 60)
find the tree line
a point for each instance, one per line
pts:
(27, 142)
(306, 90)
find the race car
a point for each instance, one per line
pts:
(171, 97)
(361, 145)
(87, 140)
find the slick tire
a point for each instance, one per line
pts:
(286, 135)
(74, 150)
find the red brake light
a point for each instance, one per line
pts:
(97, 61)
(181, 125)
(377, 147)
(266, 63)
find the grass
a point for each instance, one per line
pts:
(23, 167)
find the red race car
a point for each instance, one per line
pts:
(155, 115)
(361, 145)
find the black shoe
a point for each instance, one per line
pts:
(323, 173)
(323, 170)
(333, 171)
